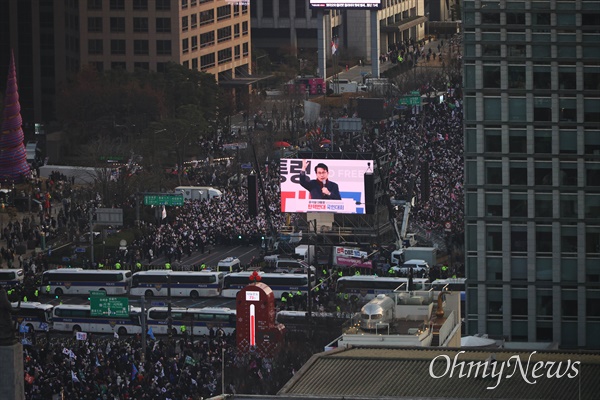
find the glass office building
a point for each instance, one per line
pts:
(532, 170)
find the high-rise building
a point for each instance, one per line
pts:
(291, 26)
(54, 39)
(532, 169)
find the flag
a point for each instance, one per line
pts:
(151, 334)
(97, 362)
(23, 328)
(44, 326)
(333, 48)
(164, 212)
(74, 377)
(134, 371)
(28, 378)
(116, 335)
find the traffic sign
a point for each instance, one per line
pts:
(109, 306)
(80, 250)
(166, 199)
(410, 101)
(97, 293)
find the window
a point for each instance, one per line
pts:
(493, 238)
(541, 78)
(185, 45)
(184, 4)
(516, 50)
(162, 5)
(94, 4)
(518, 205)
(224, 55)
(542, 141)
(592, 174)
(237, 52)
(543, 173)
(194, 22)
(491, 76)
(568, 206)
(516, 77)
(568, 110)
(569, 303)
(236, 30)
(117, 24)
(591, 78)
(163, 25)
(245, 48)
(493, 173)
(245, 28)
(515, 18)
(517, 141)
(268, 9)
(95, 24)
(492, 108)
(518, 173)
(117, 46)
(567, 78)
(140, 24)
(543, 269)
(592, 240)
(494, 298)
(542, 109)
(207, 39)
(95, 46)
(492, 141)
(490, 50)
(518, 239)
(541, 51)
(224, 34)
(116, 65)
(517, 109)
(543, 205)
(494, 268)
(490, 18)
(194, 43)
(519, 302)
(140, 5)
(140, 47)
(544, 302)
(568, 174)
(163, 47)
(591, 142)
(207, 17)
(184, 23)
(284, 9)
(223, 12)
(493, 204)
(207, 61)
(117, 4)
(195, 64)
(543, 239)
(592, 206)
(590, 111)
(541, 19)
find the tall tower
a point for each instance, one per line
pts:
(13, 157)
(532, 170)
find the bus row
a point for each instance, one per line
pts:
(41, 317)
(212, 284)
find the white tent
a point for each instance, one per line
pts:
(476, 341)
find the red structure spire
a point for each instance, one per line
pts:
(13, 157)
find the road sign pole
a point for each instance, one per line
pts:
(92, 236)
(144, 330)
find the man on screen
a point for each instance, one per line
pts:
(320, 188)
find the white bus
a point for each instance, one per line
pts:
(78, 318)
(279, 283)
(81, 281)
(451, 284)
(11, 277)
(367, 287)
(35, 315)
(183, 283)
(202, 320)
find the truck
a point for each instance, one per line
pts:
(306, 253)
(351, 257)
(198, 192)
(399, 257)
(339, 86)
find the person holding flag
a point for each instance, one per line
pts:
(334, 47)
(151, 334)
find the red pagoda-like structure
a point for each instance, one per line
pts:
(13, 157)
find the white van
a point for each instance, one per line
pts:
(306, 253)
(229, 265)
(198, 192)
(417, 266)
(289, 265)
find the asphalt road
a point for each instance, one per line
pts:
(244, 252)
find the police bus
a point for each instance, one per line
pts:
(78, 318)
(183, 283)
(82, 281)
(367, 287)
(34, 315)
(280, 283)
(201, 319)
(11, 277)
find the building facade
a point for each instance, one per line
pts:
(291, 26)
(532, 170)
(53, 39)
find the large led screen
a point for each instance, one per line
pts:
(323, 185)
(345, 4)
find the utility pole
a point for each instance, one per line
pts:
(92, 235)
(169, 316)
(144, 330)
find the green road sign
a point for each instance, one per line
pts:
(109, 306)
(167, 199)
(97, 293)
(410, 101)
